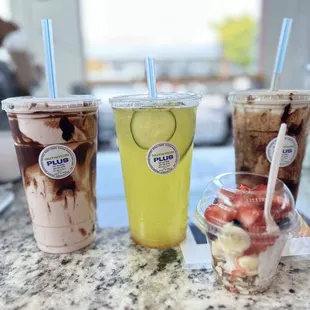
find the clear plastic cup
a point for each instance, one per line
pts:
(257, 117)
(244, 256)
(155, 138)
(56, 147)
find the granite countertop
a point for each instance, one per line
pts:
(113, 273)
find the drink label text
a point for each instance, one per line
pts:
(289, 153)
(57, 161)
(162, 157)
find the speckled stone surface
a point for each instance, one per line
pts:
(113, 273)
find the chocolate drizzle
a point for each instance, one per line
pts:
(291, 96)
(81, 152)
(18, 136)
(67, 128)
(66, 184)
(244, 168)
(82, 232)
(27, 156)
(250, 99)
(286, 113)
(295, 130)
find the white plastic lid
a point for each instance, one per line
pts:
(44, 104)
(282, 97)
(163, 100)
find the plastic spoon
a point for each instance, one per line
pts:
(271, 226)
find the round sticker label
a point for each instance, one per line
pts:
(163, 157)
(289, 153)
(57, 161)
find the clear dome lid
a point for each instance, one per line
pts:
(238, 198)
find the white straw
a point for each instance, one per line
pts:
(272, 179)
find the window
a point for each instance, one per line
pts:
(190, 40)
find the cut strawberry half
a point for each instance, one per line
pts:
(260, 188)
(258, 227)
(256, 248)
(225, 197)
(219, 215)
(243, 187)
(248, 215)
(259, 243)
(239, 200)
(279, 208)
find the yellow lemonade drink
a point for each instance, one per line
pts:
(155, 140)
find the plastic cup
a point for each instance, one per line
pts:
(155, 138)
(257, 117)
(56, 146)
(244, 256)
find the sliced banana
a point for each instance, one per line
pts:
(249, 263)
(216, 249)
(234, 240)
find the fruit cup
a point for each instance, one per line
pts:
(231, 214)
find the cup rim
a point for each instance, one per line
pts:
(30, 104)
(163, 100)
(265, 96)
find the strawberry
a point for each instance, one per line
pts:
(279, 208)
(260, 188)
(225, 196)
(244, 188)
(232, 289)
(219, 215)
(236, 273)
(238, 200)
(259, 241)
(248, 214)
(252, 250)
(258, 227)
(256, 248)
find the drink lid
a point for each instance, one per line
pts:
(242, 205)
(283, 97)
(163, 100)
(44, 104)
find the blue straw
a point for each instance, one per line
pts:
(47, 33)
(283, 41)
(150, 75)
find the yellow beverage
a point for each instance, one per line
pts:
(156, 151)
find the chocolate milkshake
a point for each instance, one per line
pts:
(56, 146)
(257, 118)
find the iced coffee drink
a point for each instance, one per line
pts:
(257, 117)
(56, 145)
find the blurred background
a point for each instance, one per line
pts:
(207, 46)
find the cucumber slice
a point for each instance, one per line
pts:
(150, 127)
(184, 135)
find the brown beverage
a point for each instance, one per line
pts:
(56, 146)
(257, 117)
